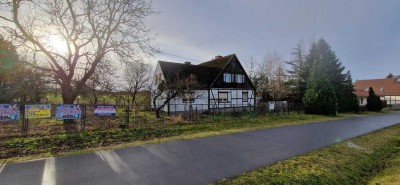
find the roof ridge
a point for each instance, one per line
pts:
(230, 55)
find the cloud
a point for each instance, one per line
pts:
(360, 31)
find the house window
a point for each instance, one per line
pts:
(222, 97)
(245, 96)
(227, 78)
(382, 89)
(239, 78)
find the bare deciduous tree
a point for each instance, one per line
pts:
(168, 91)
(269, 78)
(66, 37)
(99, 84)
(137, 78)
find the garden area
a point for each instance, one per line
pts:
(48, 137)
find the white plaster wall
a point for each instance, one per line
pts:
(391, 100)
(234, 98)
(200, 102)
(157, 71)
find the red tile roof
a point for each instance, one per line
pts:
(382, 87)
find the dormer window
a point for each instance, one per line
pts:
(381, 89)
(228, 78)
(366, 89)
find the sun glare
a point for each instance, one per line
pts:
(57, 44)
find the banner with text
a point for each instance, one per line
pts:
(68, 111)
(9, 112)
(105, 110)
(38, 111)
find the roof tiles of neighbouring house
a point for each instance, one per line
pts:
(382, 87)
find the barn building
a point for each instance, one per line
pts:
(387, 89)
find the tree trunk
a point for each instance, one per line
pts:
(133, 95)
(68, 97)
(158, 111)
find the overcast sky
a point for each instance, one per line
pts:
(365, 34)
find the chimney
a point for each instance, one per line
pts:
(217, 57)
(187, 63)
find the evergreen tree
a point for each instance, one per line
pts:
(374, 103)
(331, 67)
(390, 75)
(18, 81)
(320, 97)
(294, 78)
(8, 59)
(347, 100)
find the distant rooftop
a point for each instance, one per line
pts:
(382, 87)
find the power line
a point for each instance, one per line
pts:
(179, 56)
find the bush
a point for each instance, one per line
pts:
(374, 103)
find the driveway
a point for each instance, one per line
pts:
(195, 161)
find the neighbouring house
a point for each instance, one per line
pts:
(223, 84)
(387, 89)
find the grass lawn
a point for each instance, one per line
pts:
(20, 148)
(390, 175)
(350, 162)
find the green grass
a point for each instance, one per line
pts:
(350, 162)
(390, 175)
(17, 149)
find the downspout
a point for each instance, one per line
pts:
(208, 104)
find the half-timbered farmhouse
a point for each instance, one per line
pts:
(223, 84)
(387, 89)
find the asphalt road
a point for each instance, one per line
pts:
(195, 161)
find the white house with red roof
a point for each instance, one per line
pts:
(387, 89)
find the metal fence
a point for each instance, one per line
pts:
(129, 116)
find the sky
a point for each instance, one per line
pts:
(365, 34)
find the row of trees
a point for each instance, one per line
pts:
(23, 83)
(18, 81)
(316, 78)
(69, 41)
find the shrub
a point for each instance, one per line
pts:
(374, 103)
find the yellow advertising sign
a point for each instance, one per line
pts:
(38, 111)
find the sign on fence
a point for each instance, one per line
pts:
(68, 111)
(271, 106)
(105, 110)
(38, 111)
(9, 112)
